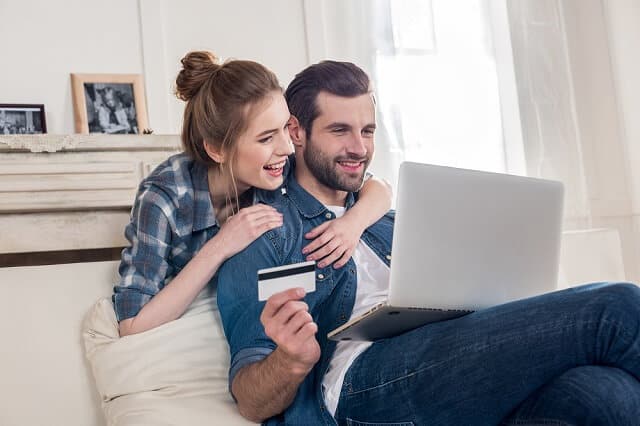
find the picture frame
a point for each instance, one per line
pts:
(109, 103)
(22, 119)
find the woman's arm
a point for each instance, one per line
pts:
(174, 299)
(336, 240)
(374, 201)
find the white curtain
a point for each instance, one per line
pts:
(435, 79)
(440, 67)
(437, 83)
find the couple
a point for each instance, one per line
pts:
(570, 357)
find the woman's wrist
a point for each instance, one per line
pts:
(213, 251)
(356, 219)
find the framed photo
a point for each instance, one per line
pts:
(109, 103)
(22, 119)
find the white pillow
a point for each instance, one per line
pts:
(175, 374)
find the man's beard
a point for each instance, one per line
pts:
(324, 170)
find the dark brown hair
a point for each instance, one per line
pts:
(338, 78)
(218, 98)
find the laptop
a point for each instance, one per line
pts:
(463, 240)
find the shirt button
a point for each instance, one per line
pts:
(327, 215)
(320, 276)
(388, 257)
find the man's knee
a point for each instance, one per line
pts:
(600, 391)
(584, 395)
(624, 297)
(625, 291)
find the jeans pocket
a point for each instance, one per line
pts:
(351, 422)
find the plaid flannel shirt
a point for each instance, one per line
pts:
(171, 219)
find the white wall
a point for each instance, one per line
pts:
(270, 32)
(44, 41)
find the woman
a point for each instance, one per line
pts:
(196, 209)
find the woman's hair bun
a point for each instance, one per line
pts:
(197, 68)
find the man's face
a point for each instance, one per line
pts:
(341, 144)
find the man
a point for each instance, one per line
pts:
(560, 358)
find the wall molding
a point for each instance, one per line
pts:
(315, 30)
(152, 15)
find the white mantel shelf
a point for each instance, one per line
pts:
(91, 142)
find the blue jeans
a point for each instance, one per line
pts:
(563, 358)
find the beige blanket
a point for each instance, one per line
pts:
(175, 374)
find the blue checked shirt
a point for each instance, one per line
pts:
(171, 219)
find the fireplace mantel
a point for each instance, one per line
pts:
(55, 189)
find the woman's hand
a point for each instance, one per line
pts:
(335, 241)
(246, 226)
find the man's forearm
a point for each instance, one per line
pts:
(268, 387)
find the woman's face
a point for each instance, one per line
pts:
(263, 148)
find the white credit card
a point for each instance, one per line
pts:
(281, 278)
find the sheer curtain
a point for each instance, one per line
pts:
(436, 83)
(435, 75)
(453, 90)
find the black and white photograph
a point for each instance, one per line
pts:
(109, 103)
(22, 119)
(110, 108)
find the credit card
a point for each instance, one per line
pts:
(281, 278)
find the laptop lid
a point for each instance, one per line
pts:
(466, 239)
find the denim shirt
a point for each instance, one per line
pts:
(330, 305)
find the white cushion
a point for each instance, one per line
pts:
(175, 374)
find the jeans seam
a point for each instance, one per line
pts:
(351, 392)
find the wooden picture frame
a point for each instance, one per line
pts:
(22, 119)
(109, 103)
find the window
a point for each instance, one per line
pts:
(437, 84)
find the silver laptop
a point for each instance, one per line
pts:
(463, 240)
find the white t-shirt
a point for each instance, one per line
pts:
(372, 288)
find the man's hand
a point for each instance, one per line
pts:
(287, 322)
(267, 387)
